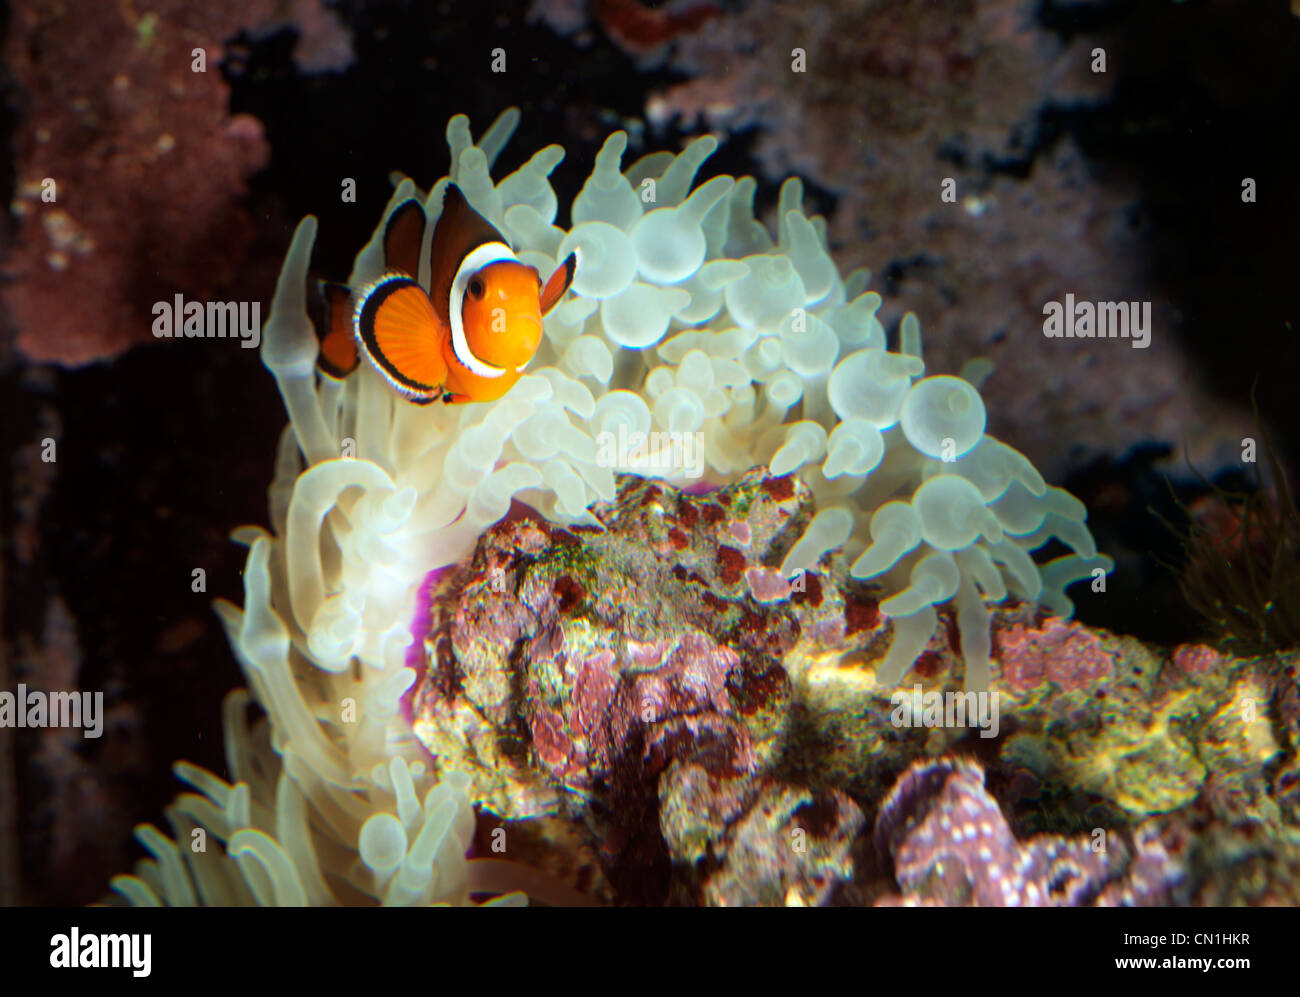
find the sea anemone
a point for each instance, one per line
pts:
(686, 317)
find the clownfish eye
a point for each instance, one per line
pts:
(476, 288)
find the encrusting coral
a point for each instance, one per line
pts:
(687, 322)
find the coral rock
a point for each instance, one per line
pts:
(951, 845)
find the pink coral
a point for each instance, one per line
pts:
(767, 584)
(1059, 651)
(130, 171)
(1197, 659)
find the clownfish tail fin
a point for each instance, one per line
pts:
(560, 282)
(330, 308)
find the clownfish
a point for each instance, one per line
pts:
(470, 336)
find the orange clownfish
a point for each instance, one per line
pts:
(470, 336)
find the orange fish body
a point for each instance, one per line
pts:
(471, 335)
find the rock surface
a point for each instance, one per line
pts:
(716, 735)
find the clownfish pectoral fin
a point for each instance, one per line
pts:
(403, 237)
(395, 323)
(331, 311)
(560, 282)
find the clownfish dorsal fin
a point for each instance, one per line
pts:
(560, 282)
(330, 309)
(460, 230)
(403, 236)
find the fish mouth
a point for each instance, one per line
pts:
(524, 339)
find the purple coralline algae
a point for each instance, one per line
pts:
(952, 846)
(1059, 651)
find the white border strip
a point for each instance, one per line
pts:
(474, 261)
